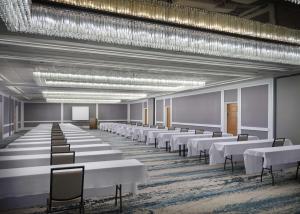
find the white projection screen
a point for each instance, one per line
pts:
(80, 113)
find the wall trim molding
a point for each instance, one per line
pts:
(255, 128)
(198, 124)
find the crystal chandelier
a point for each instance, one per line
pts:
(294, 1)
(73, 24)
(101, 28)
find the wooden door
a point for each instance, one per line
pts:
(232, 118)
(145, 116)
(168, 117)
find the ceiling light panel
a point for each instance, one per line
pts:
(118, 79)
(49, 100)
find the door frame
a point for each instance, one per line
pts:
(225, 115)
(144, 119)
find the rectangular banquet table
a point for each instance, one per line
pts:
(151, 137)
(18, 161)
(273, 156)
(48, 142)
(162, 138)
(49, 138)
(196, 145)
(47, 149)
(25, 187)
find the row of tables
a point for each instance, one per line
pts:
(255, 153)
(25, 167)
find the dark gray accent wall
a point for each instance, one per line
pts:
(68, 110)
(287, 108)
(260, 134)
(136, 111)
(159, 110)
(201, 108)
(230, 95)
(41, 112)
(112, 111)
(254, 106)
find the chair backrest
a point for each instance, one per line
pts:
(62, 158)
(171, 128)
(66, 183)
(139, 124)
(184, 129)
(278, 142)
(58, 142)
(145, 125)
(58, 137)
(242, 137)
(217, 134)
(160, 127)
(152, 126)
(199, 131)
(60, 148)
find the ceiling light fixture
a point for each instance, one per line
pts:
(73, 24)
(294, 1)
(112, 86)
(117, 79)
(50, 100)
(95, 95)
(193, 17)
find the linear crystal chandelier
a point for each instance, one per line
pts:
(64, 23)
(189, 16)
(80, 100)
(294, 1)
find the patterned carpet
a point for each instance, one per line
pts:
(184, 185)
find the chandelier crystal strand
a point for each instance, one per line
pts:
(101, 28)
(193, 17)
(294, 1)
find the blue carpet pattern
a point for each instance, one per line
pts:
(185, 185)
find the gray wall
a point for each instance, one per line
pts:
(167, 102)
(201, 108)
(151, 111)
(41, 112)
(287, 108)
(254, 106)
(259, 134)
(230, 95)
(136, 111)
(112, 112)
(159, 110)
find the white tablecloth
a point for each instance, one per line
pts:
(177, 140)
(273, 156)
(153, 134)
(49, 138)
(162, 138)
(18, 161)
(47, 149)
(218, 151)
(48, 142)
(21, 187)
(195, 145)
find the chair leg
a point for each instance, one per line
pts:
(271, 171)
(205, 156)
(155, 143)
(200, 155)
(231, 163)
(121, 207)
(184, 150)
(179, 150)
(225, 163)
(297, 170)
(116, 196)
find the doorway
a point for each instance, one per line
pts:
(168, 117)
(232, 118)
(145, 116)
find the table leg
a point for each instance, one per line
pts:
(180, 151)
(184, 149)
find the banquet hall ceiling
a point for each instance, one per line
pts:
(33, 63)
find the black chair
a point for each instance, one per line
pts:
(171, 128)
(278, 142)
(145, 125)
(139, 124)
(242, 137)
(60, 148)
(199, 131)
(152, 126)
(184, 129)
(58, 142)
(66, 188)
(62, 158)
(161, 127)
(217, 134)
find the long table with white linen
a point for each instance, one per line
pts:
(218, 151)
(196, 145)
(18, 161)
(47, 149)
(25, 187)
(49, 138)
(278, 157)
(164, 137)
(152, 135)
(181, 140)
(48, 143)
